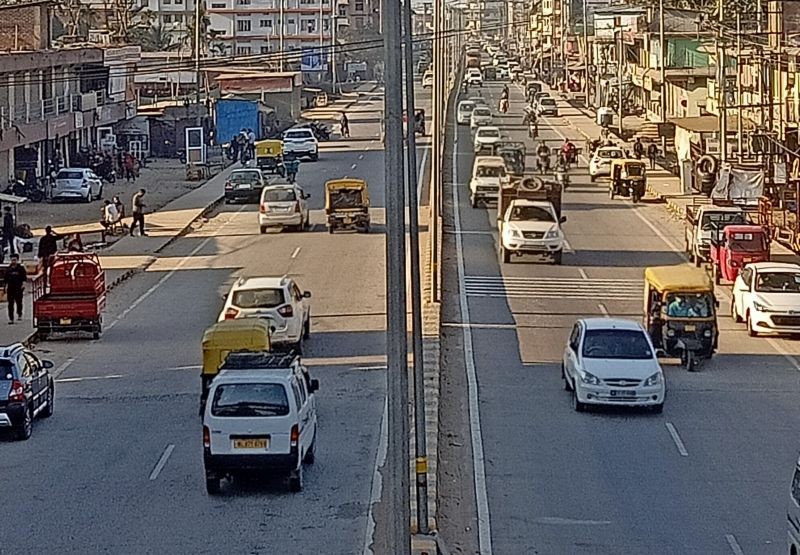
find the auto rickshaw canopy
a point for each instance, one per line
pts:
(269, 148)
(627, 163)
(242, 334)
(346, 193)
(681, 278)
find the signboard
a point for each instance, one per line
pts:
(311, 60)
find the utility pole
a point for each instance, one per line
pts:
(396, 476)
(321, 41)
(335, 22)
(722, 86)
(662, 64)
(619, 80)
(586, 56)
(421, 454)
(280, 34)
(436, 143)
(739, 121)
(197, 76)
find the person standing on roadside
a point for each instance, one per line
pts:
(8, 230)
(14, 286)
(138, 206)
(344, 124)
(251, 143)
(652, 154)
(48, 247)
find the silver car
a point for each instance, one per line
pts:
(77, 184)
(283, 206)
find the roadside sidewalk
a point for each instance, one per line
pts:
(130, 255)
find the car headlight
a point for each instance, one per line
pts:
(552, 234)
(514, 233)
(589, 378)
(670, 333)
(707, 333)
(761, 307)
(655, 379)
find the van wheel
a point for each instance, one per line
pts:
(567, 386)
(212, 484)
(296, 479)
(49, 409)
(263, 229)
(310, 454)
(25, 428)
(579, 407)
(734, 315)
(307, 328)
(658, 409)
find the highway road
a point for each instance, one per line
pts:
(527, 474)
(119, 467)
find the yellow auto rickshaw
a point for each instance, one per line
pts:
(243, 334)
(680, 312)
(347, 204)
(628, 179)
(269, 156)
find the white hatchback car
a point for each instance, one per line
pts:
(600, 163)
(279, 300)
(464, 111)
(473, 77)
(486, 136)
(284, 205)
(77, 184)
(260, 418)
(766, 295)
(481, 117)
(612, 362)
(301, 141)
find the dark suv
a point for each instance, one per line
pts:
(26, 389)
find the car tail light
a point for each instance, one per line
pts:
(295, 436)
(231, 313)
(206, 437)
(297, 207)
(228, 185)
(286, 311)
(264, 208)
(17, 392)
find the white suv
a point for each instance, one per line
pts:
(283, 205)
(261, 417)
(279, 300)
(301, 141)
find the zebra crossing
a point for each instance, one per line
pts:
(593, 289)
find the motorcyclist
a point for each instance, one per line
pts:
(292, 164)
(568, 152)
(543, 154)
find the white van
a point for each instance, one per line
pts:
(260, 418)
(793, 513)
(488, 175)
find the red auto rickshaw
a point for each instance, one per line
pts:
(734, 246)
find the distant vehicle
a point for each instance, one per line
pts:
(488, 175)
(284, 205)
(244, 185)
(600, 163)
(478, 101)
(464, 111)
(260, 418)
(609, 361)
(547, 107)
(427, 79)
(481, 117)
(473, 77)
(766, 295)
(77, 184)
(301, 142)
(485, 137)
(26, 390)
(278, 299)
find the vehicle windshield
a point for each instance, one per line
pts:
(747, 242)
(616, 344)
(489, 133)
(547, 102)
(466, 107)
(634, 170)
(482, 112)
(690, 305)
(490, 171)
(710, 219)
(531, 213)
(298, 135)
(279, 195)
(609, 153)
(258, 298)
(69, 174)
(250, 399)
(245, 177)
(778, 282)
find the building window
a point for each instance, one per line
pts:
(326, 24)
(242, 2)
(265, 23)
(243, 25)
(243, 50)
(290, 21)
(358, 6)
(179, 1)
(217, 6)
(167, 18)
(310, 25)
(265, 49)
(342, 11)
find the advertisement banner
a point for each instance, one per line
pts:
(311, 60)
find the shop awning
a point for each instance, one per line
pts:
(708, 123)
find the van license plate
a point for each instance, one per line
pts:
(252, 443)
(689, 327)
(65, 321)
(623, 393)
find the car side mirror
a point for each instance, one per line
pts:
(47, 364)
(307, 196)
(313, 386)
(306, 294)
(562, 219)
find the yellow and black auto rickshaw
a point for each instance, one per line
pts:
(680, 312)
(347, 204)
(628, 179)
(269, 156)
(243, 334)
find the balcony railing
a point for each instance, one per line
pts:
(31, 112)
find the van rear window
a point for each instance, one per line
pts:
(249, 400)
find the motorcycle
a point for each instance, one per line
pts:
(34, 193)
(562, 176)
(321, 131)
(543, 163)
(568, 157)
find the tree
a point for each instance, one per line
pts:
(208, 36)
(158, 39)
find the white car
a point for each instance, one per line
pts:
(260, 418)
(284, 205)
(486, 136)
(547, 107)
(77, 184)
(481, 117)
(473, 77)
(427, 79)
(600, 163)
(488, 176)
(609, 361)
(502, 73)
(766, 295)
(531, 227)
(277, 299)
(478, 101)
(464, 111)
(301, 142)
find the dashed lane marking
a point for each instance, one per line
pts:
(162, 461)
(734, 545)
(554, 288)
(676, 438)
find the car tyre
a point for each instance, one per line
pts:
(263, 229)
(307, 328)
(212, 484)
(315, 157)
(592, 178)
(750, 331)
(25, 428)
(473, 201)
(579, 407)
(49, 409)
(296, 479)
(88, 198)
(658, 409)
(311, 453)
(734, 315)
(557, 258)
(505, 255)
(567, 385)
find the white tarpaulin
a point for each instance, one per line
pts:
(737, 184)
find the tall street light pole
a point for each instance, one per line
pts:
(662, 54)
(281, 33)
(197, 25)
(396, 475)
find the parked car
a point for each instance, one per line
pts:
(26, 390)
(766, 296)
(260, 418)
(279, 300)
(244, 185)
(77, 184)
(464, 111)
(609, 361)
(301, 142)
(284, 205)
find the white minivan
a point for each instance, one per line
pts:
(260, 418)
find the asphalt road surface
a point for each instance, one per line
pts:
(119, 467)
(709, 476)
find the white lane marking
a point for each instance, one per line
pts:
(376, 489)
(556, 520)
(479, 326)
(568, 248)
(90, 378)
(188, 367)
(296, 252)
(735, 547)
(360, 156)
(353, 166)
(582, 272)
(171, 273)
(63, 367)
(603, 309)
(478, 463)
(677, 439)
(162, 461)
(467, 232)
(421, 173)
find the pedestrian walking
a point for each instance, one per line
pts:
(344, 124)
(14, 287)
(638, 148)
(48, 247)
(138, 212)
(130, 169)
(8, 231)
(652, 154)
(251, 144)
